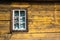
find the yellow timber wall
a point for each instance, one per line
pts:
(43, 21)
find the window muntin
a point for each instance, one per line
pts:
(19, 19)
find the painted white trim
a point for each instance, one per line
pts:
(13, 19)
(19, 18)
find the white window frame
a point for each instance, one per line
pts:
(19, 20)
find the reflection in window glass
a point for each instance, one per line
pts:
(22, 25)
(22, 19)
(16, 13)
(16, 25)
(16, 19)
(22, 13)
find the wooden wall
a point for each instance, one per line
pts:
(43, 21)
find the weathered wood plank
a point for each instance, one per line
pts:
(4, 27)
(40, 36)
(44, 20)
(5, 16)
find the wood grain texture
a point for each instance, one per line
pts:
(43, 22)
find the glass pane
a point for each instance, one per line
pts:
(22, 19)
(16, 19)
(16, 26)
(22, 25)
(22, 13)
(16, 13)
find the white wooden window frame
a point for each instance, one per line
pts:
(19, 20)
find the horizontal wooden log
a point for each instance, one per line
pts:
(4, 27)
(4, 15)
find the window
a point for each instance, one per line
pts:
(19, 20)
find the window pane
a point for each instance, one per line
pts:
(22, 19)
(16, 13)
(16, 26)
(22, 13)
(22, 25)
(16, 19)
